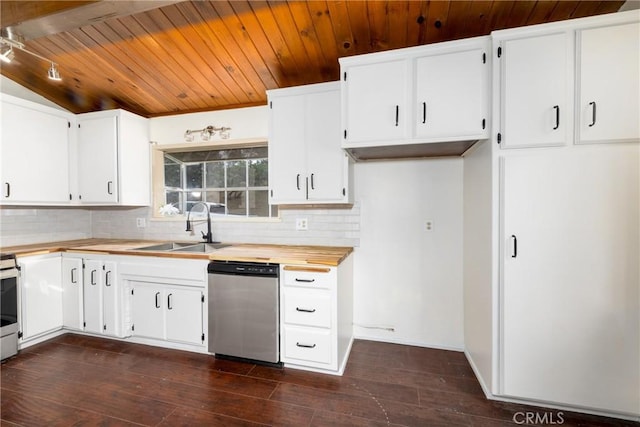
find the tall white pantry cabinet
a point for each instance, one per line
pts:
(552, 220)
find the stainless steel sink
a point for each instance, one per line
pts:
(184, 247)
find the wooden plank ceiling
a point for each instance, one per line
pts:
(205, 55)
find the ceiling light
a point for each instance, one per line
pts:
(7, 54)
(207, 133)
(53, 73)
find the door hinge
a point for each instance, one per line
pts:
(201, 298)
(484, 123)
(202, 337)
(344, 76)
(103, 268)
(499, 51)
(84, 324)
(69, 125)
(20, 334)
(78, 125)
(344, 191)
(345, 134)
(499, 137)
(271, 193)
(484, 58)
(131, 291)
(70, 196)
(104, 327)
(271, 105)
(133, 328)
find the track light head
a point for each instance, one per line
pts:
(53, 73)
(7, 54)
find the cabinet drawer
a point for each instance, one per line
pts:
(311, 345)
(312, 277)
(307, 307)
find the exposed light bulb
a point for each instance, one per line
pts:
(7, 54)
(53, 73)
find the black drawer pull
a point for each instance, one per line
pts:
(557, 108)
(305, 310)
(93, 278)
(306, 345)
(157, 300)
(305, 280)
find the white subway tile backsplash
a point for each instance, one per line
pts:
(331, 227)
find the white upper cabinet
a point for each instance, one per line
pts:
(376, 107)
(113, 158)
(452, 94)
(431, 94)
(536, 90)
(34, 165)
(98, 160)
(306, 163)
(609, 84)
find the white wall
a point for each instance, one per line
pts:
(250, 122)
(407, 278)
(12, 88)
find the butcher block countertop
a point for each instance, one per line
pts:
(276, 254)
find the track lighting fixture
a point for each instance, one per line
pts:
(207, 133)
(7, 53)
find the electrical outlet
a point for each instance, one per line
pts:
(302, 224)
(141, 222)
(428, 225)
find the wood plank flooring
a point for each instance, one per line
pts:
(81, 380)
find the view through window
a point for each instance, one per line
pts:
(232, 182)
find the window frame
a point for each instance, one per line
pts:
(158, 187)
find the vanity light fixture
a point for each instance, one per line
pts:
(7, 53)
(207, 133)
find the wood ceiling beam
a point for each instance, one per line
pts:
(33, 19)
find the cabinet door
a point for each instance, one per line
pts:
(184, 315)
(72, 300)
(376, 102)
(41, 296)
(450, 95)
(97, 160)
(325, 158)
(536, 99)
(569, 286)
(287, 169)
(608, 72)
(93, 296)
(147, 310)
(35, 156)
(110, 300)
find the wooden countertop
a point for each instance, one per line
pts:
(276, 254)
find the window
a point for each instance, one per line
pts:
(232, 181)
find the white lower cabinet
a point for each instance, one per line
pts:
(167, 312)
(72, 293)
(167, 300)
(102, 298)
(40, 290)
(316, 313)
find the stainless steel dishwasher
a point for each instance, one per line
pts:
(244, 319)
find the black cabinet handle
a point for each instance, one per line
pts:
(514, 253)
(305, 280)
(169, 302)
(557, 108)
(397, 114)
(107, 278)
(109, 185)
(593, 113)
(306, 345)
(298, 181)
(93, 277)
(7, 189)
(73, 277)
(157, 300)
(424, 113)
(312, 186)
(306, 310)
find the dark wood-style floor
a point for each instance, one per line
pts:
(80, 380)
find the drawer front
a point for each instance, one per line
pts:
(309, 277)
(307, 307)
(310, 345)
